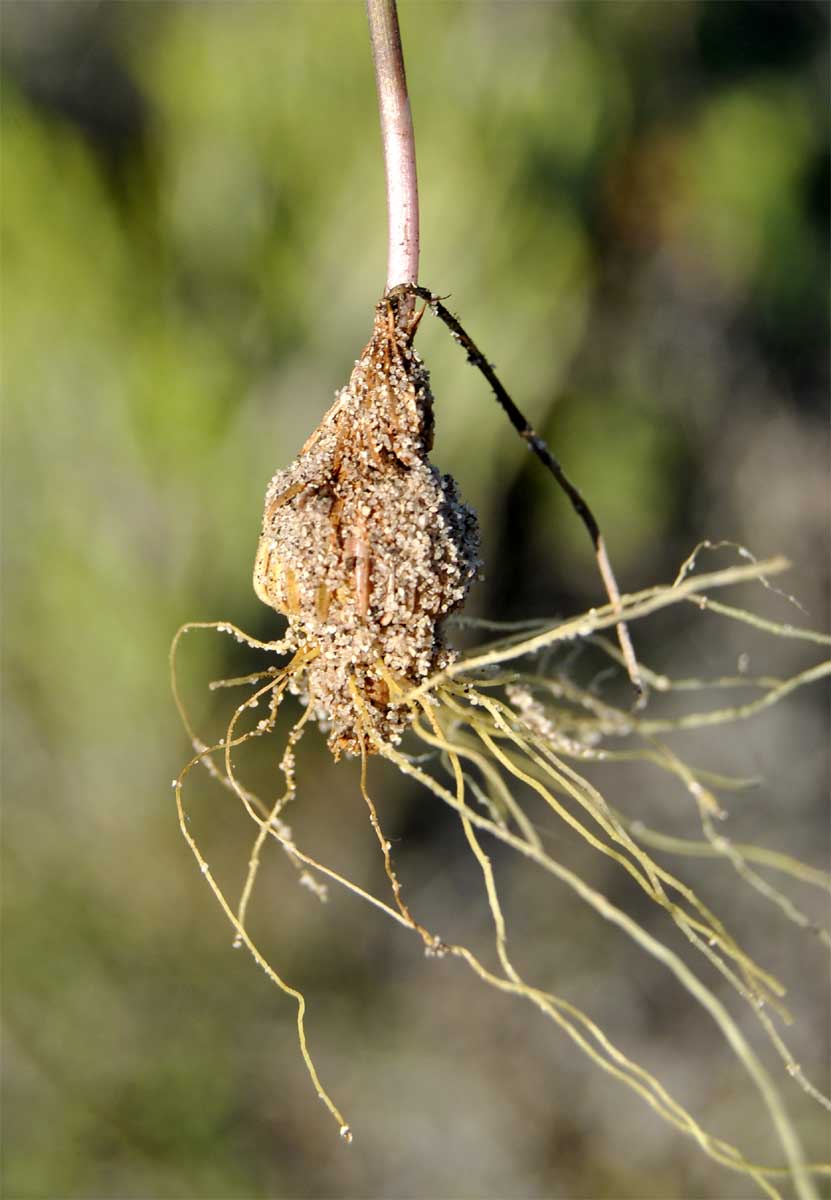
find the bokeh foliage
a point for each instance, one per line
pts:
(627, 204)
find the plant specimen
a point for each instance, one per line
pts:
(367, 551)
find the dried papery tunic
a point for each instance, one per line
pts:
(365, 547)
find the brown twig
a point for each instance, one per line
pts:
(536, 444)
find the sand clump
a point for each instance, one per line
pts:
(365, 547)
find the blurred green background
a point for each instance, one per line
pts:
(627, 203)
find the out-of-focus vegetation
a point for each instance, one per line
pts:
(627, 204)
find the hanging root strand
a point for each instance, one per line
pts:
(539, 447)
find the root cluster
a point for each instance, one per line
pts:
(366, 549)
